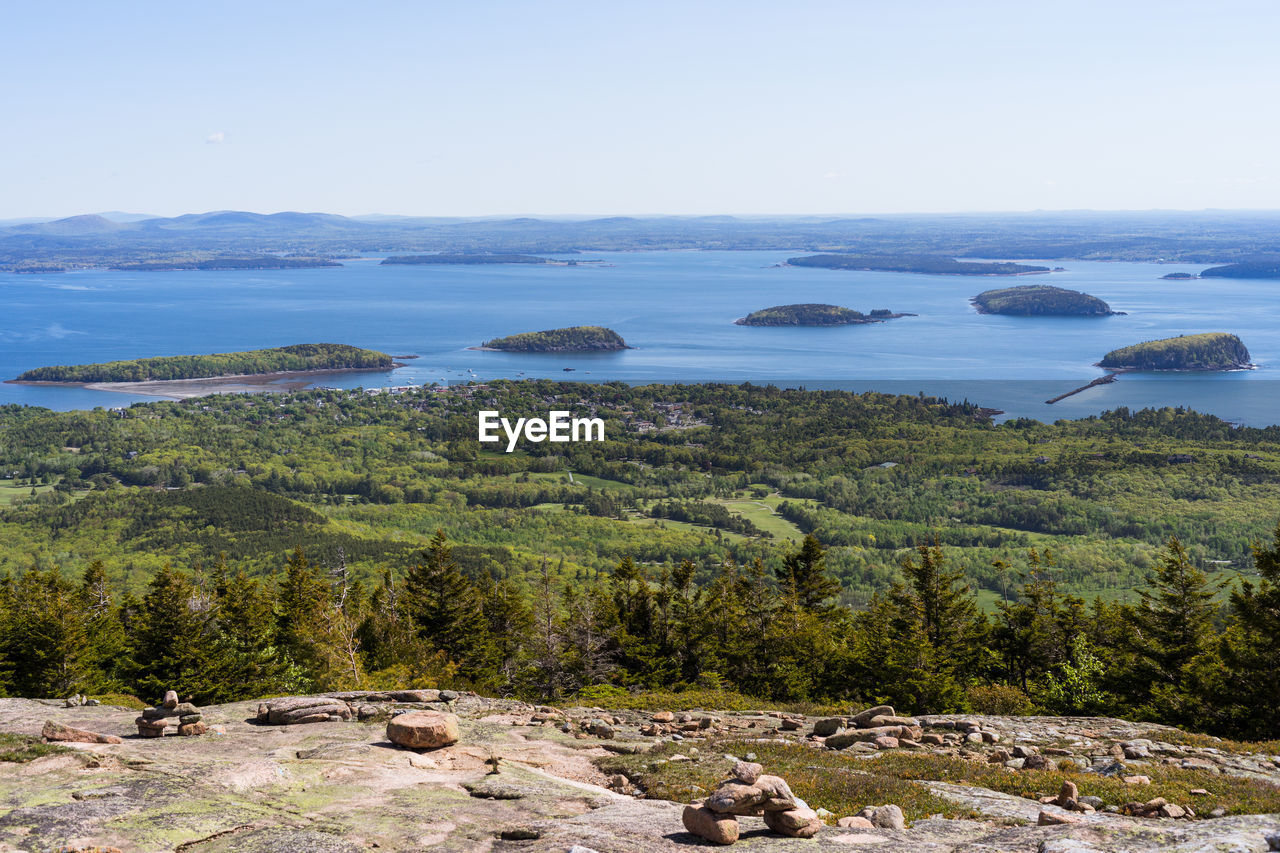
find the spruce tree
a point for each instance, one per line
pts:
(445, 607)
(172, 640)
(803, 575)
(1251, 649)
(1171, 629)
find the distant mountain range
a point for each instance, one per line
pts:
(115, 237)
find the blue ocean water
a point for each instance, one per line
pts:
(677, 309)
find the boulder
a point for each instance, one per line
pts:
(798, 822)
(855, 822)
(862, 719)
(747, 772)
(663, 717)
(601, 729)
(1048, 818)
(170, 700)
(828, 726)
(149, 728)
(889, 720)
(1068, 794)
(716, 827)
(66, 734)
(305, 709)
(885, 742)
(736, 798)
(192, 729)
(887, 817)
(423, 729)
(415, 695)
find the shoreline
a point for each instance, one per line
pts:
(185, 389)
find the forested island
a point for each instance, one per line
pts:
(929, 264)
(1208, 351)
(256, 262)
(1040, 300)
(297, 357)
(1179, 276)
(815, 314)
(415, 260)
(1258, 268)
(571, 339)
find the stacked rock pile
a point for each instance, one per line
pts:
(345, 705)
(170, 712)
(879, 728)
(750, 792)
(685, 724)
(303, 709)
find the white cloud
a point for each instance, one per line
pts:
(216, 138)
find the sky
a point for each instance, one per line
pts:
(587, 108)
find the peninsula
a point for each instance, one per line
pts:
(571, 339)
(1040, 300)
(929, 264)
(815, 314)
(1208, 351)
(255, 262)
(1258, 268)
(275, 361)
(415, 260)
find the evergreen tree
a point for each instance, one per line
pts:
(803, 576)
(445, 608)
(1250, 691)
(304, 604)
(106, 644)
(45, 635)
(171, 640)
(1172, 628)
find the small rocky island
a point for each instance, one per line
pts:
(1208, 351)
(1179, 276)
(815, 314)
(928, 264)
(571, 339)
(1040, 300)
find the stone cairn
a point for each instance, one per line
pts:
(347, 705)
(750, 792)
(170, 712)
(875, 728)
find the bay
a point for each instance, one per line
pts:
(677, 309)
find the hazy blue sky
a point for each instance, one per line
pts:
(472, 108)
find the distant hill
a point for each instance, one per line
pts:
(571, 339)
(1040, 300)
(1208, 351)
(813, 314)
(928, 264)
(74, 225)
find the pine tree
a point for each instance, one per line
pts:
(243, 655)
(106, 644)
(803, 576)
(1251, 649)
(45, 635)
(445, 608)
(171, 640)
(304, 603)
(1172, 628)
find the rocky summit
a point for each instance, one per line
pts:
(432, 770)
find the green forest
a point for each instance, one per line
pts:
(571, 339)
(812, 314)
(786, 544)
(1208, 351)
(1039, 300)
(930, 264)
(295, 357)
